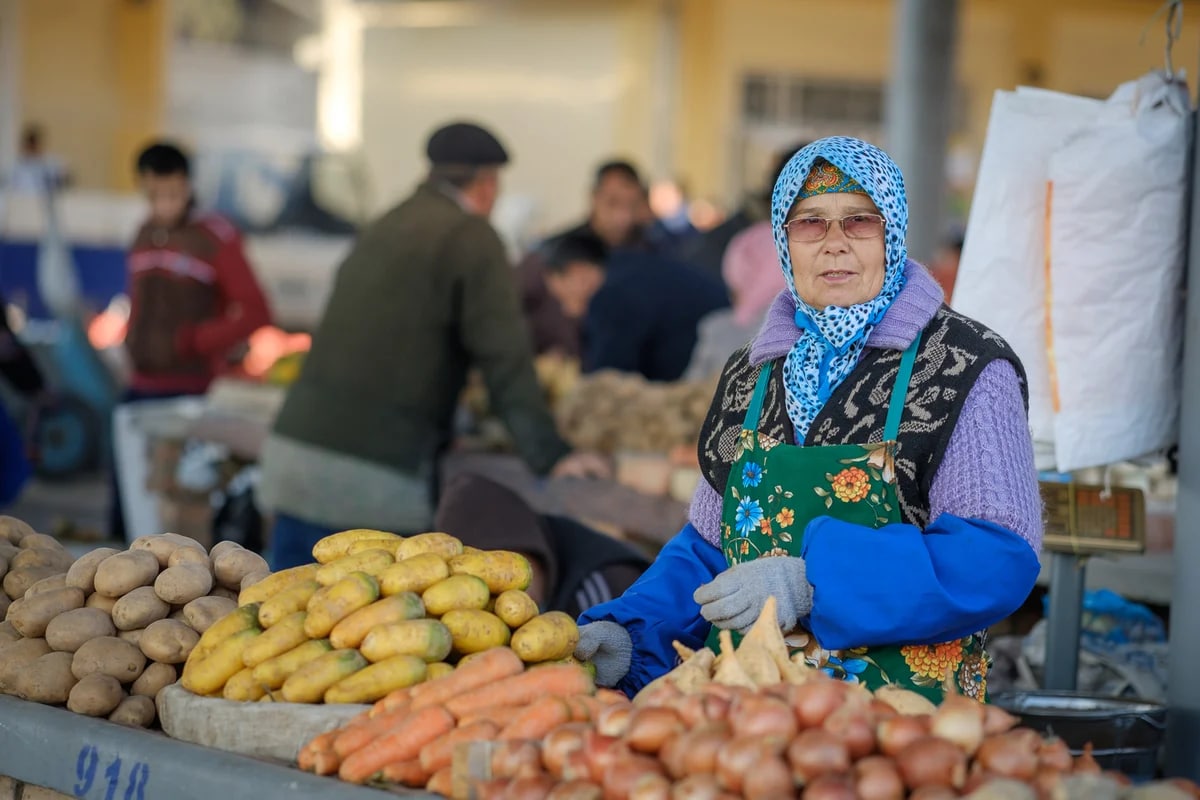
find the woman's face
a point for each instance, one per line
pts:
(836, 270)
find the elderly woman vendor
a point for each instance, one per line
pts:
(866, 460)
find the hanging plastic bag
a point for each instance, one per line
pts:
(1116, 249)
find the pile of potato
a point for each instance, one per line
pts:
(610, 412)
(105, 633)
(377, 612)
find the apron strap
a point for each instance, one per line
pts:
(891, 429)
(756, 400)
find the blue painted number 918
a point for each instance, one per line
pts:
(85, 771)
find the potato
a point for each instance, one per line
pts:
(457, 591)
(190, 555)
(119, 575)
(82, 573)
(222, 547)
(8, 633)
(134, 637)
(227, 594)
(47, 679)
(139, 608)
(18, 580)
(4, 604)
(71, 629)
(106, 604)
(15, 656)
(233, 565)
(164, 545)
(156, 678)
(135, 711)
(3, 565)
(443, 544)
(202, 612)
(30, 616)
(178, 615)
(515, 608)
(184, 583)
(549, 637)
(277, 582)
(14, 529)
(501, 570)
(42, 557)
(58, 581)
(474, 630)
(414, 574)
(257, 576)
(96, 695)
(7, 548)
(168, 641)
(110, 656)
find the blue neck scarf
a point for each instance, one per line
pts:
(830, 340)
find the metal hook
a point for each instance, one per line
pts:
(1174, 30)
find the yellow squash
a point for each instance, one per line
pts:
(309, 683)
(353, 629)
(376, 681)
(334, 603)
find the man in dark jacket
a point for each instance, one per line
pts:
(426, 294)
(574, 567)
(640, 311)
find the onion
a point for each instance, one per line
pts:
(881, 710)
(932, 762)
(665, 695)
(696, 787)
(601, 751)
(651, 787)
(933, 793)
(781, 691)
(898, 732)
(513, 758)
(1185, 785)
(959, 720)
(716, 708)
(763, 716)
(1117, 777)
(703, 745)
(1054, 754)
(877, 778)
(614, 720)
(560, 741)
(624, 773)
(673, 756)
(691, 709)
(575, 767)
(817, 752)
(853, 726)
(817, 699)
(769, 779)
(1045, 781)
(829, 787)
(650, 727)
(529, 788)
(1008, 756)
(997, 720)
(493, 789)
(1085, 764)
(576, 790)
(736, 757)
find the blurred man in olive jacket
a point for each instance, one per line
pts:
(426, 294)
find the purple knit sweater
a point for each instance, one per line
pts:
(987, 471)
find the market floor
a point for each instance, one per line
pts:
(76, 511)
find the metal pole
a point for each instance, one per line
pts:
(1067, 573)
(917, 113)
(1183, 690)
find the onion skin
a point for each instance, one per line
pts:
(997, 720)
(815, 700)
(933, 793)
(959, 720)
(898, 732)
(576, 790)
(878, 778)
(735, 759)
(529, 788)
(1008, 756)
(1183, 784)
(769, 779)
(560, 741)
(614, 720)
(493, 789)
(829, 787)
(697, 787)
(853, 726)
(816, 752)
(601, 751)
(576, 768)
(763, 716)
(649, 728)
(624, 773)
(1085, 764)
(651, 787)
(932, 762)
(1046, 781)
(1054, 754)
(703, 745)
(674, 756)
(516, 758)
(1117, 778)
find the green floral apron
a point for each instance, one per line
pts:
(775, 489)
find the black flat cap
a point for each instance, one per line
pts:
(463, 143)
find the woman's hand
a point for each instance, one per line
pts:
(734, 599)
(608, 646)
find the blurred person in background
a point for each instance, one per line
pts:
(574, 567)
(36, 170)
(752, 276)
(613, 218)
(193, 296)
(21, 372)
(671, 232)
(426, 294)
(639, 311)
(944, 265)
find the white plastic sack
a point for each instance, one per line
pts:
(1118, 231)
(1002, 273)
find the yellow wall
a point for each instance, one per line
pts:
(92, 76)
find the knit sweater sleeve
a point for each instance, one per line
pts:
(988, 470)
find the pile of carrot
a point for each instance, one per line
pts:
(409, 737)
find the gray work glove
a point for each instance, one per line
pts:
(608, 646)
(733, 599)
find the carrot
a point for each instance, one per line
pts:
(558, 680)
(408, 773)
(355, 737)
(401, 743)
(610, 697)
(497, 715)
(486, 668)
(538, 719)
(398, 698)
(326, 763)
(439, 753)
(441, 782)
(318, 744)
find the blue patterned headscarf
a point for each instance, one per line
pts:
(832, 339)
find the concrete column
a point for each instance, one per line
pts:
(10, 83)
(1183, 691)
(917, 112)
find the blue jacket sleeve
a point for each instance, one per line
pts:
(614, 332)
(659, 609)
(899, 585)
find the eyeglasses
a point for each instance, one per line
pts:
(814, 229)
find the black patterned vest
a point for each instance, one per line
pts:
(954, 350)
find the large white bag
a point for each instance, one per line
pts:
(1118, 232)
(1002, 273)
